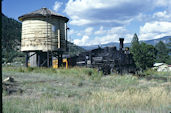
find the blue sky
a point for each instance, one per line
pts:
(103, 21)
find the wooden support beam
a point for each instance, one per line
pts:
(51, 59)
(38, 58)
(48, 65)
(26, 59)
(59, 39)
(59, 60)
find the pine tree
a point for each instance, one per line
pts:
(169, 45)
(135, 49)
(162, 52)
(147, 56)
(169, 48)
(143, 54)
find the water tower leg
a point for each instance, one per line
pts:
(52, 59)
(38, 59)
(59, 60)
(48, 59)
(27, 58)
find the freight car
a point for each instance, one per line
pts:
(108, 59)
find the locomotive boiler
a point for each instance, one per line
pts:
(108, 59)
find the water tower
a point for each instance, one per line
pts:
(44, 36)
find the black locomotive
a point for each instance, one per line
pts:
(108, 59)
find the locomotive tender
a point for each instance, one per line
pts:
(108, 59)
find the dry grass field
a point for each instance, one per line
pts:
(84, 90)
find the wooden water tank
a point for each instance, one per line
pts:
(43, 30)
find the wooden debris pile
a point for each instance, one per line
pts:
(10, 86)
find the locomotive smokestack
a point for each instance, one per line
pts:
(121, 43)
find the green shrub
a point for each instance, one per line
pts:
(149, 72)
(21, 70)
(29, 69)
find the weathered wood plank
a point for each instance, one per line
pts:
(43, 34)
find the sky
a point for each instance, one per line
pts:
(96, 22)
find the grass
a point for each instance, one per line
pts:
(84, 90)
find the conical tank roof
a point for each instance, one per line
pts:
(43, 12)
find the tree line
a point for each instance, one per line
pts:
(11, 38)
(145, 55)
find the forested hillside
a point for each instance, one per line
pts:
(11, 40)
(74, 49)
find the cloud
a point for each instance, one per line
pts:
(103, 36)
(101, 31)
(70, 32)
(162, 3)
(162, 16)
(150, 30)
(112, 30)
(89, 30)
(79, 34)
(105, 39)
(118, 30)
(154, 30)
(110, 12)
(80, 22)
(110, 38)
(57, 5)
(106, 20)
(82, 41)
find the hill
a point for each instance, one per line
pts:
(152, 42)
(74, 49)
(11, 40)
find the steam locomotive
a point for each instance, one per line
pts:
(108, 59)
